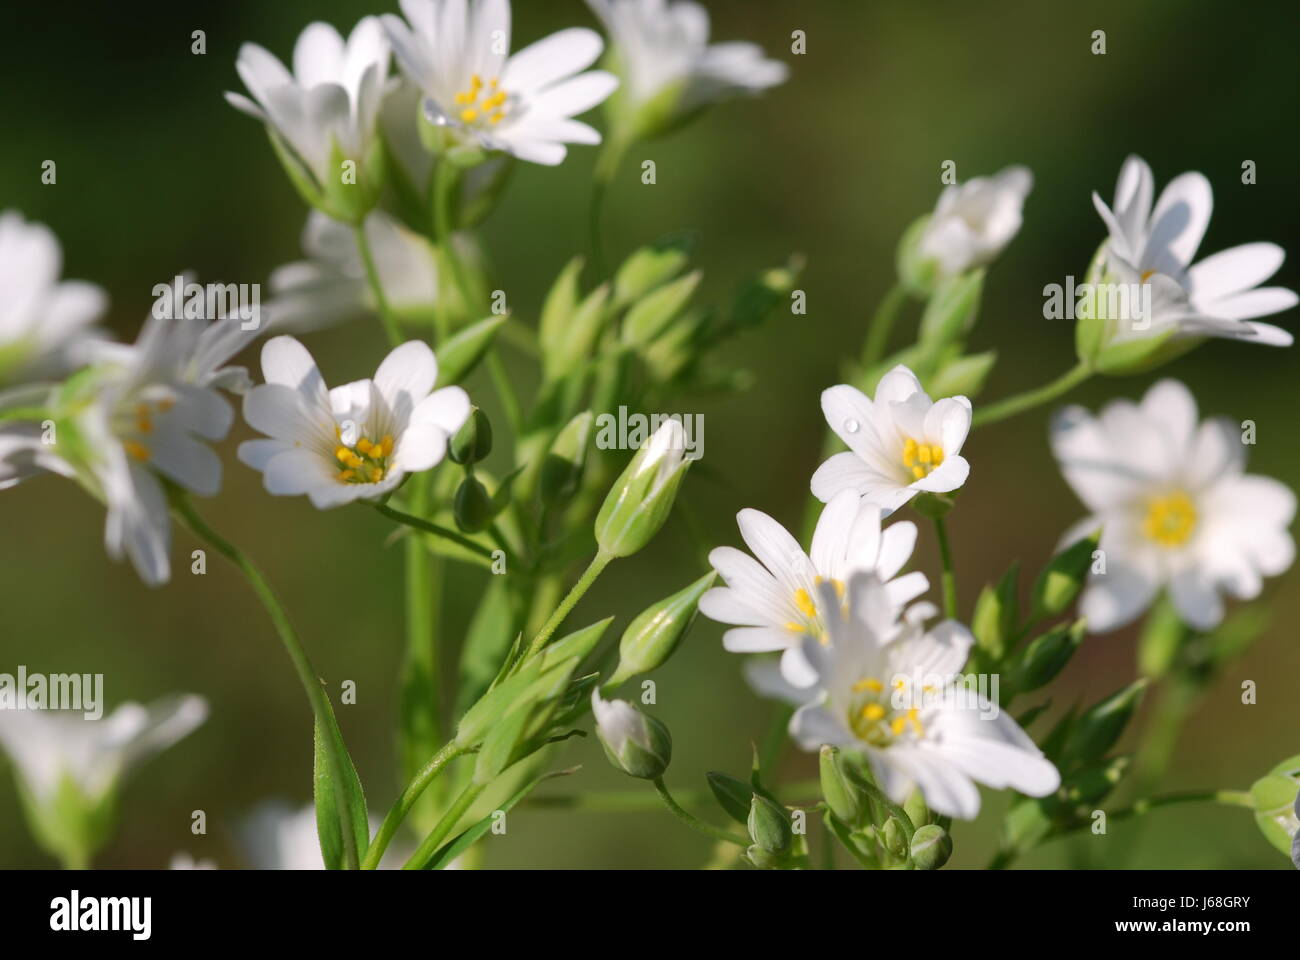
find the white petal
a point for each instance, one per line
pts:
(552, 58)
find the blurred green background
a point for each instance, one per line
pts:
(157, 174)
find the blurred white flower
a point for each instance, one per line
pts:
(458, 54)
(941, 737)
(661, 51)
(183, 860)
(900, 444)
(276, 836)
(974, 221)
(44, 322)
(329, 103)
(357, 441)
(773, 599)
(330, 286)
(1217, 297)
(1175, 509)
(49, 747)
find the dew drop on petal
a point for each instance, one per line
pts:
(851, 426)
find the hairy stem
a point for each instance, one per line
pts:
(1030, 399)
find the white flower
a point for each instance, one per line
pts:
(43, 321)
(276, 836)
(1217, 297)
(662, 48)
(1174, 507)
(330, 287)
(900, 444)
(332, 98)
(357, 441)
(184, 860)
(457, 53)
(773, 599)
(974, 221)
(144, 409)
(50, 746)
(940, 737)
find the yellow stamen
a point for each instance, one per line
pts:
(920, 459)
(868, 683)
(137, 451)
(804, 603)
(898, 725)
(1170, 519)
(873, 712)
(796, 627)
(343, 453)
(468, 116)
(387, 444)
(364, 445)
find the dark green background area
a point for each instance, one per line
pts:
(156, 174)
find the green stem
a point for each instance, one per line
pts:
(421, 708)
(438, 531)
(949, 578)
(1021, 402)
(873, 349)
(708, 829)
(302, 664)
(637, 801)
(505, 389)
(406, 801)
(386, 317)
(606, 166)
(448, 823)
(24, 413)
(598, 563)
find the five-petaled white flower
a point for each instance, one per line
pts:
(900, 444)
(974, 221)
(896, 694)
(458, 54)
(1217, 297)
(661, 50)
(49, 747)
(330, 101)
(330, 287)
(1174, 507)
(772, 600)
(43, 322)
(357, 441)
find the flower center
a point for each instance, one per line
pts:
(873, 719)
(921, 459)
(137, 422)
(811, 623)
(482, 104)
(364, 461)
(1170, 519)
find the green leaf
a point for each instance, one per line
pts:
(458, 357)
(1063, 577)
(330, 820)
(951, 312)
(490, 633)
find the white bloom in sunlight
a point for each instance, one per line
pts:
(357, 441)
(662, 48)
(330, 287)
(900, 444)
(145, 409)
(276, 836)
(183, 860)
(43, 321)
(943, 737)
(332, 98)
(974, 221)
(458, 54)
(1217, 297)
(50, 746)
(1174, 506)
(772, 600)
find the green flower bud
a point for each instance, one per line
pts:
(1162, 638)
(652, 314)
(653, 636)
(1093, 783)
(734, 796)
(1100, 726)
(639, 501)
(569, 329)
(458, 357)
(761, 858)
(845, 800)
(931, 847)
(1063, 577)
(473, 441)
(894, 838)
(917, 272)
(634, 742)
(952, 309)
(472, 507)
(645, 270)
(963, 376)
(1046, 656)
(353, 186)
(769, 826)
(916, 809)
(1277, 804)
(563, 465)
(995, 617)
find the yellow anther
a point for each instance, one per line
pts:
(377, 474)
(137, 451)
(346, 475)
(387, 444)
(353, 460)
(898, 725)
(796, 627)
(1147, 275)
(804, 603)
(496, 118)
(477, 81)
(868, 683)
(913, 715)
(468, 116)
(873, 712)
(342, 454)
(1170, 519)
(364, 445)
(921, 458)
